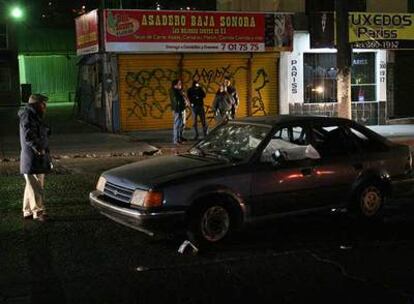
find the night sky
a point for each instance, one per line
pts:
(60, 13)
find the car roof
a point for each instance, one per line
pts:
(282, 119)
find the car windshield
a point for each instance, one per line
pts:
(232, 142)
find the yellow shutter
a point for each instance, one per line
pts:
(210, 70)
(264, 88)
(145, 81)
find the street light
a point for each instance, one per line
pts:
(16, 12)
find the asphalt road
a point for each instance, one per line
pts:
(81, 257)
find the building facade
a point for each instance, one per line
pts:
(126, 88)
(380, 88)
(130, 80)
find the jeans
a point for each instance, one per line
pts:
(199, 112)
(178, 127)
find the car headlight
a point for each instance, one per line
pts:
(147, 199)
(100, 186)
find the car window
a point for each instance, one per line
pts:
(232, 141)
(292, 142)
(296, 135)
(333, 140)
(364, 143)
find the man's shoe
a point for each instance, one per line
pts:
(183, 139)
(28, 217)
(40, 218)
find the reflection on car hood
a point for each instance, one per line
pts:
(152, 172)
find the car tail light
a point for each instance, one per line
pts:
(153, 199)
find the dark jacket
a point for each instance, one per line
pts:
(196, 96)
(177, 100)
(33, 139)
(233, 93)
(222, 102)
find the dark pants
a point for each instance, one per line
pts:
(199, 112)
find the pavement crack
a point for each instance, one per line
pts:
(337, 265)
(365, 281)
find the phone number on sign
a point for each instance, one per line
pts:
(242, 47)
(376, 44)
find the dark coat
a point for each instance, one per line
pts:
(177, 100)
(233, 93)
(33, 139)
(222, 102)
(196, 96)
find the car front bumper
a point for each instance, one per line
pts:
(146, 222)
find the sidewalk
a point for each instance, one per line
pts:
(74, 138)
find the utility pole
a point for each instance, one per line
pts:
(343, 59)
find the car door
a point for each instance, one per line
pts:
(286, 186)
(339, 164)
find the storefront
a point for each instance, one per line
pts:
(146, 50)
(308, 82)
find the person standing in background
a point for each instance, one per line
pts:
(35, 159)
(231, 90)
(196, 97)
(177, 106)
(222, 105)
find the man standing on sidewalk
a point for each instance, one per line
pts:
(196, 96)
(177, 99)
(34, 157)
(234, 96)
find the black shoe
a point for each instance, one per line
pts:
(183, 139)
(41, 218)
(28, 217)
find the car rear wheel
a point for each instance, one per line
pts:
(210, 224)
(370, 201)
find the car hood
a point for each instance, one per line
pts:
(150, 173)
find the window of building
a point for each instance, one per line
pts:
(410, 6)
(319, 77)
(363, 82)
(5, 80)
(3, 36)
(329, 5)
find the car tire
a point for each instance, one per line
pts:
(369, 201)
(210, 224)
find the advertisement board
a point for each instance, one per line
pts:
(87, 33)
(191, 31)
(381, 30)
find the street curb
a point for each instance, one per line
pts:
(161, 150)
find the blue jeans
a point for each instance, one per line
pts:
(178, 127)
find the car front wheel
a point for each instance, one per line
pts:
(370, 201)
(210, 224)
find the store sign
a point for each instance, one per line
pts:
(189, 31)
(381, 31)
(87, 33)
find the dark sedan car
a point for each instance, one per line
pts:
(254, 169)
